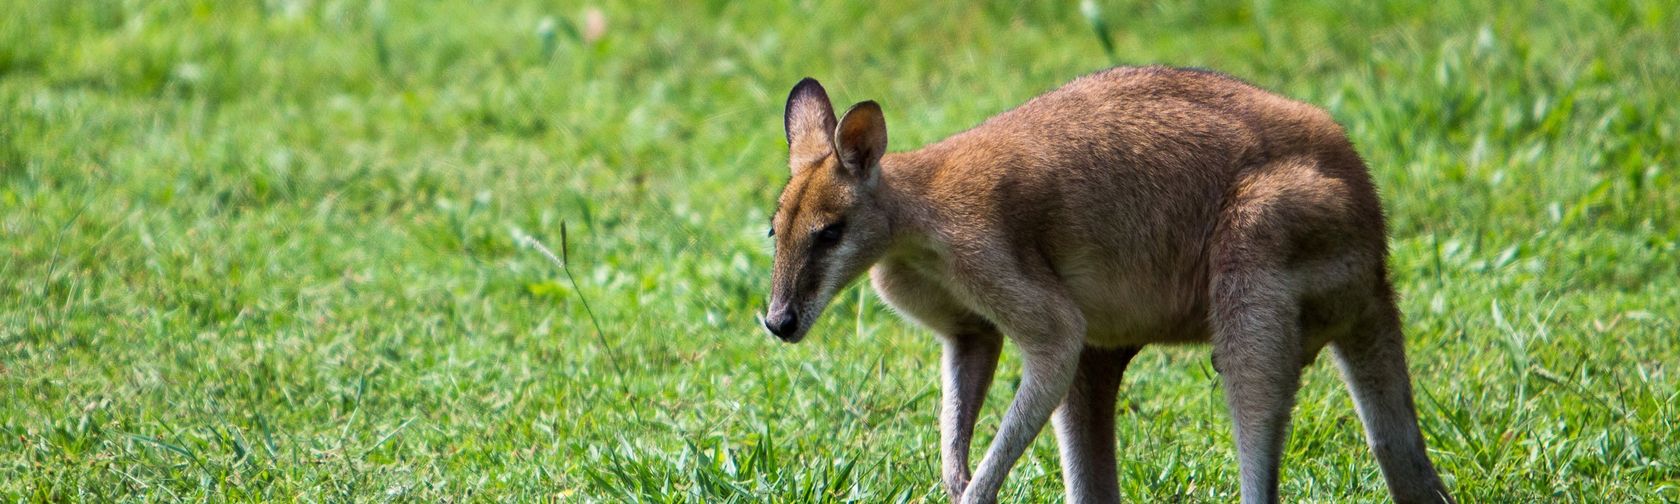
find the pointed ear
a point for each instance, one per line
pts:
(861, 140)
(809, 122)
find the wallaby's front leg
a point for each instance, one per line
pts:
(1085, 426)
(970, 360)
(1050, 337)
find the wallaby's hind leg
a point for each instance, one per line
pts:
(1373, 363)
(1085, 426)
(1258, 351)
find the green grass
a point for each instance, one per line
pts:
(268, 250)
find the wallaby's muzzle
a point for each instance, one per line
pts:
(784, 324)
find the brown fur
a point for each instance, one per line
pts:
(1129, 207)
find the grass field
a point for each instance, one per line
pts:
(269, 250)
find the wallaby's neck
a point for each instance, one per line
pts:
(904, 194)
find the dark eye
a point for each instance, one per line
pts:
(831, 233)
(772, 233)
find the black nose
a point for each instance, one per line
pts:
(782, 324)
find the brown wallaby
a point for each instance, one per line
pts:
(1131, 206)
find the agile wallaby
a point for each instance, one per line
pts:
(1131, 206)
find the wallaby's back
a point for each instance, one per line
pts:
(1120, 180)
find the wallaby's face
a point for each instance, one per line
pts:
(828, 227)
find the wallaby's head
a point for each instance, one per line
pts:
(829, 226)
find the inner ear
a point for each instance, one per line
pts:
(861, 140)
(808, 122)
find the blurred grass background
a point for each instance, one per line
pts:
(266, 250)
